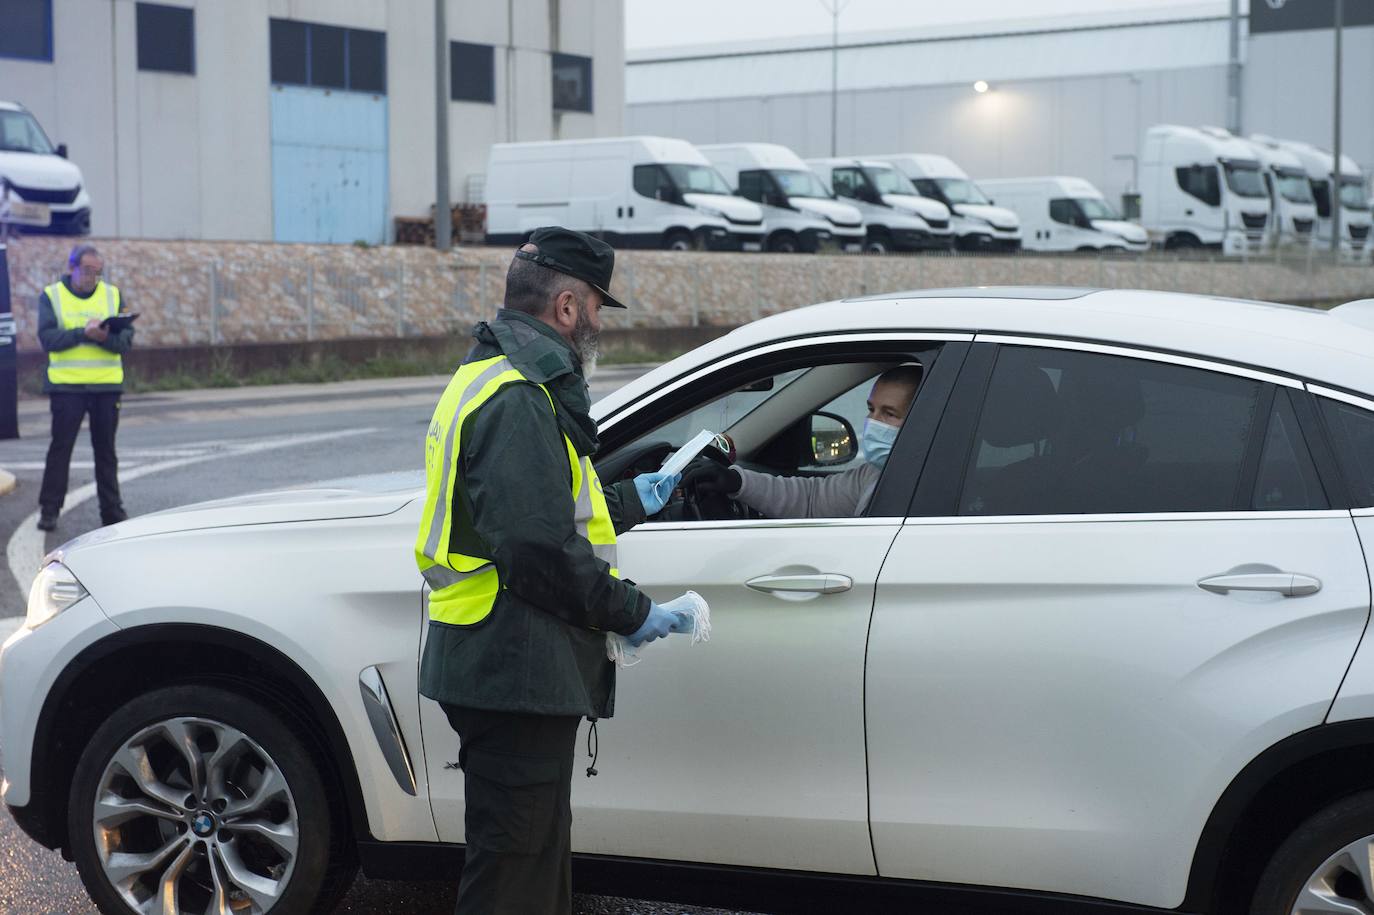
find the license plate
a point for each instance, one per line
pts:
(25, 214)
(753, 246)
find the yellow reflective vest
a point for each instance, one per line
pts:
(85, 363)
(464, 586)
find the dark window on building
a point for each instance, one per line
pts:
(1200, 181)
(1064, 210)
(1353, 431)
(653, 182)
(1287, 478)
(472, 72)
(26, 29)
(1321, 192)
(166, 38)
(328, 56)
(1066, 432)
(572, 83)
(752, 186)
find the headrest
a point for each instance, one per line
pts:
(1022, 407)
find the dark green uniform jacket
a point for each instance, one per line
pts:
(54, 338)
(542, 649)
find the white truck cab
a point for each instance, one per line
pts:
(39, 189)
(978, 225)
(896, 217)
(1060, 213)
(1202, 187)
(1355, 214)
(635, 192)
(799, 211)
(1292, 206)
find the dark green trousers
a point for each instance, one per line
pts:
(517, 779)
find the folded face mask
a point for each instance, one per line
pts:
(696, 616)
(877, 441)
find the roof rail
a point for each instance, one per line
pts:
(1359, 312)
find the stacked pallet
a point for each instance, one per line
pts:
(469, 223)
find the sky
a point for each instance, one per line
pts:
(666, 23)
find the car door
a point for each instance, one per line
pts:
(1122, 580)
(749, 749)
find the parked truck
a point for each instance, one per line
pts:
(799, 211)
(896, 217)
(978, 224)
(1061, 213)
(1291, 204)
(635, 192)
(1202, 187)
(1320, 166)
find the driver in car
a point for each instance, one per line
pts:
(837, 495)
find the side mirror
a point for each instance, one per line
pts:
(62, 150)
(832, 440)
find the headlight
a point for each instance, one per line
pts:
(979, 221)
(54, 590)
(709, 211)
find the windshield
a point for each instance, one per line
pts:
(888, 180)
(1352, 194)
(1096, 208)
(961, 190)
(1244, 179)
(19, 132)
(1293, 186)
(697, 179)
(800, 184)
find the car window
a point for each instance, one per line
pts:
(1287, 478)
(847, 181)
(1064, 210)
(1200, 181)
(723, 412)
(1353, 431)
(1069, 432)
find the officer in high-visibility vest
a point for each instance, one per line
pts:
(517, 544)
(85, 377)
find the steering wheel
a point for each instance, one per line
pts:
(711, 506)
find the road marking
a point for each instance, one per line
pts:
(26, 548)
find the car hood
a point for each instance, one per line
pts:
(50, 173)
(1127, 230)
(734, 208)
(839, 213)
(355, 497)
(1001, 217)
(923, 207)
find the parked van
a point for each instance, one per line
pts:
(799, 211)
(978, 225)
(1355, 213)
(1202, 187)
(1065, 214)
(635, 192)
(896, 218)
(39, 189)
(1292, 207)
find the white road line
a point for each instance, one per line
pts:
(25, 550)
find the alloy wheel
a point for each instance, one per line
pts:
(1342, 885)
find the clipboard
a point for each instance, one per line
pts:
(116, 323)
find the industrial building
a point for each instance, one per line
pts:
(299, 120)
(1062, 96)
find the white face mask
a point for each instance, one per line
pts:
(877, 441)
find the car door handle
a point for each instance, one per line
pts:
(819, 583)
(1286, 583)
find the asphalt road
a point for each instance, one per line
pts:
(187, 447)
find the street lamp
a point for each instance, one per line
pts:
(981, 86)
(834, 8)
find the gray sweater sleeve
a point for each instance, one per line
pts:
(837, 495)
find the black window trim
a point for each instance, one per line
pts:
(1321, 447)
(941, 484)
(1329, 440)
(47, 55)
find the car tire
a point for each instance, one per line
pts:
(784, 243)
(877, 243)
(1311, 860)
(678, 240)
(255, 823)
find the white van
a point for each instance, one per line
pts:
(1201, 187)
(635, 192)
(1065, 214)
(1355, 214)
(978, 225)
(1292, 207)
(896, 218)
(799, 211)
(39, 189)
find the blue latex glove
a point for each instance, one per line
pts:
(654, 490)
(658, 624)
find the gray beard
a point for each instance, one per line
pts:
(587, 344)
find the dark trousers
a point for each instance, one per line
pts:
(67, 412)
(517, 778)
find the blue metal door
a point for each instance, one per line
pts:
(329, 166)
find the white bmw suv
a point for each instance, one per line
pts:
(1096, 644)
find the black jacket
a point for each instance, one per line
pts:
(54, 339)
(542, 649)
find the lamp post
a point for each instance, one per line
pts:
(834, 8)
(1336, 167)
(443, 211)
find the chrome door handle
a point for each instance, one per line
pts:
(821, 583)
(1286, 583)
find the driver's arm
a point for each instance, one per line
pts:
(838, 495)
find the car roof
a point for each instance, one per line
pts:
(1334, 348)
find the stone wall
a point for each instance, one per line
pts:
(212, 293)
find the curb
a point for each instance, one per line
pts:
(7, 482)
